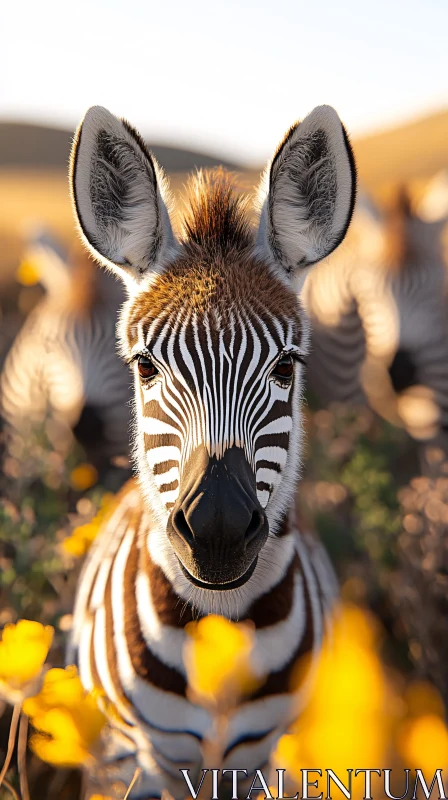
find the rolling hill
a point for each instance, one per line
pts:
(34, 146)
(412, 152)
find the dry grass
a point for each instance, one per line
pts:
(409, 153)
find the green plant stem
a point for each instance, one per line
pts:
(11, 741)
(11, 789)
(21, 757)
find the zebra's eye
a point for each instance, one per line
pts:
(284, 369)
(146, 369)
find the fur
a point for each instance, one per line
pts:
(311, 190)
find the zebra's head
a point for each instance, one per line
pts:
(214, 329)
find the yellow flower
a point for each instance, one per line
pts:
(423, 735)
(82, 537)
(23, 650)
(348, 698)
(100, 797)
(425, 743)
(28, 273)
(217, 657)
(66, 717)
(83, 477)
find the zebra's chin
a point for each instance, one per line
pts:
(220, 587)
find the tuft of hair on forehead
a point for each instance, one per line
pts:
(216, 219)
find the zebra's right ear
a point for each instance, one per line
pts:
(311, 189)
(117, 193)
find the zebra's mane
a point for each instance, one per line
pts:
(216, 219)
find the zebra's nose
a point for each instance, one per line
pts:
(203, 521)
(217, 526)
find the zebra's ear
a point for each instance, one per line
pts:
(311, 190)
(117, 193)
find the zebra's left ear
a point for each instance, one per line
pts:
(311, 192)
(116, 188)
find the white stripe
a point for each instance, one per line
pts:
(157, 455)
(157, 427)
(265, 475)
(167, 477)
(275, 454)
(279, 425)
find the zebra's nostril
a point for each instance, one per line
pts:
(182, 527)
(255, 525)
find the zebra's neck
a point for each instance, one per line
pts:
(162, 566)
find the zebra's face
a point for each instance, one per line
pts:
(213, 328)
(218, 426)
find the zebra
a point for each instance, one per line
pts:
(380, 322)
(63, 360)
(216, 338)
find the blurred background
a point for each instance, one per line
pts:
(211, 84)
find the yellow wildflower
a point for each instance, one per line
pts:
(349, 696)
(66, 717)
(217, 657)
(423, 736)
(83, 477)
(82, 537)
(100, 797)
(28, 273)
(23, 650)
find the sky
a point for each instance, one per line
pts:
(225, 77)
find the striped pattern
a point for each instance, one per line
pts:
(217, 394)
(64, 360)
(216, 337)
(214, 391)
(129, 635)
(380, 322)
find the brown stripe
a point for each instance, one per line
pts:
(145, 663)
(170, 608)
(283, 528)
(275, 605)
(280, 682)
(169, 487)
(164, 466)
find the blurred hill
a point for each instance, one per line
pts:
(23, 145)
(409, 153)
(34, 187)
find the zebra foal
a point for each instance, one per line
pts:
(380, 320)
(216, 338)
(63, 361)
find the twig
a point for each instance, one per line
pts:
(11, 741)
(137, 774)
(11, 789)
(21, 757)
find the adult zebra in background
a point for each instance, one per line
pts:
(64, 363)
(380, 322)
(217, 339)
